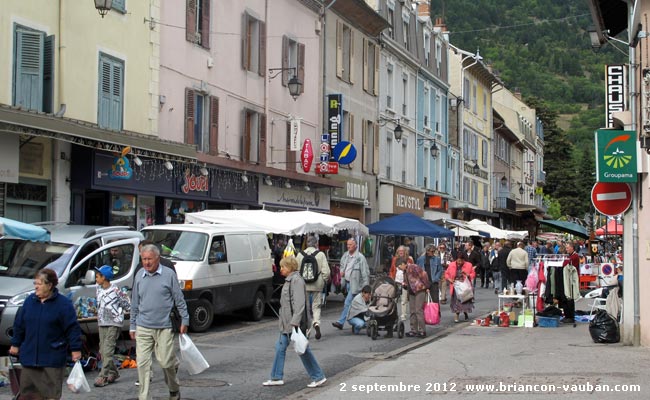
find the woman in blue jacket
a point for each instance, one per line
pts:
(45, 329)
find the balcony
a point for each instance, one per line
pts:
(505, 203)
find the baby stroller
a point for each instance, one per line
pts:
(383, 309)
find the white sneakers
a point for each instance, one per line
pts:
(317, 383)
(273, 382)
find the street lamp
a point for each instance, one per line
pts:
(476, 169)
(532, 195)
(434, 150)
(294, 84)
(397, 132)
(504, 181)
(521, 190)
(103, 6)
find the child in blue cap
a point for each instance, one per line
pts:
(111, 304)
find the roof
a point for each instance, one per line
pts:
(364, 17)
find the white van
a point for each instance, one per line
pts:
(220, 268)
(73, 252)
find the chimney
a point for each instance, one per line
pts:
(423, 9)
(440, 27)
(517, 93)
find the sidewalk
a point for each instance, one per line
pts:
(559, 361)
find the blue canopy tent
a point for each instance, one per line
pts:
(10, 227)
(408, 224)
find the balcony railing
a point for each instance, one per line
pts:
(505, 203)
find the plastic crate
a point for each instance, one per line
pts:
(548, 322)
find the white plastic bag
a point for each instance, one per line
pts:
(299, 340)
(77, 382)
(191, 356)
(463, 290)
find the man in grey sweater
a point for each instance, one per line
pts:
(155, 293)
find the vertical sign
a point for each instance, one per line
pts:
(331, 138)
(615, 156)
(616, 85)
(295, 134)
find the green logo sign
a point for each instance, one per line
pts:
(615, 156)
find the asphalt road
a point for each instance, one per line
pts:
(241, 353)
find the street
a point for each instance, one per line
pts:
(240, 354)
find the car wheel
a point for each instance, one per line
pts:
(257, 309)
(201, 315)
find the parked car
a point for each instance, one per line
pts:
(220, 268)
(72, 252)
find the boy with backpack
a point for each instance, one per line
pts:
(315, 271)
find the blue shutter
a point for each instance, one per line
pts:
(433, 111)
(119, 5)
(420, 166)
(28, 69)
(111, 96)
(420, 107)
(443, 120)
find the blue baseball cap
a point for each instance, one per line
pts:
(106, 271)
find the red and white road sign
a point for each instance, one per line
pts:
(611, 198)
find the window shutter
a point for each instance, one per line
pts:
(190, 21)
(339, 49)
(189, 116)
(262, 49)
(246, 153)
(365, 64)
(205, 22)
(262, 143)
(375, 152)
(245, 56)
(28, 89)
(116, 100)
(285, 60)
(103, 117)
(351, 66)
(375, 88)
(351, 133)
(291, 155)
(214, 125)
(48, 75)
(364, 145)
(301, 66)
(119, 5)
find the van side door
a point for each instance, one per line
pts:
(242, 269)
(217, 275)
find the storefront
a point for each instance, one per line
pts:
(111, 189)
(351, 200)
(280, 197)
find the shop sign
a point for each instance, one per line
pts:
(344, 153)
(306, 155)
(294, 132)
(616, 86)
(296, 199)
(194, 183)
(616, 156)
(327, 168)
(405, 200)
(121, 169)
(335, 118)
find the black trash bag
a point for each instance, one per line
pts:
(604, 328)
(550, 311)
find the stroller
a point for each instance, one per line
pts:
(383, 309)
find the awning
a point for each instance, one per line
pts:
(17, 229)
(408, 224)
(566, 226)
(496, 233)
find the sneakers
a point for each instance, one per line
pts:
(317, 383)
(175, 395)
(273, 382)
(337, 325)
(317, 329)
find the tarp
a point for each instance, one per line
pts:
(285, 223)
(10, 227)
(408, 224)
(464, 230)
(612, 228)
(496, 233)
(566, 226)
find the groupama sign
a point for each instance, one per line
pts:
(616, 156)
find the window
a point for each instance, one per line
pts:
(254, 138)
(218, 252)
(201, 120)
(254, 45)
(438, 53)
(427, 107)
(404, 158)
(197, 27)
(370, 67)
(427, 47)
(293, 56)
(389, 86)
(405, 93)
(391, 19)
(485, 109)
(474, 91)
(484, 153)
(406, 32)
(466, 189)
(367, 146)
(344, 52)
(33, 70)
(111, 92)
(474, 192)
(347, 132)
(466, 92)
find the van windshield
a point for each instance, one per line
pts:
(23, 258)
(179, 245)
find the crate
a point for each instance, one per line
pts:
(586, 280)
(548, 322)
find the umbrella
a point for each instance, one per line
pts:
(10, 227)
(566, 226)
(408, 224)
(612, 228)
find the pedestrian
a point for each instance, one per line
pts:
(44, 330)
(459, 270)
(358, 309)
(531, 249)
(445, 259)
(409, 242)
(494, 267)
(430, 263)
(155, 292)
(571, 284)
(387, 253)
(416, 283)
(474, 257)
(503, 264)
(293, 314)
(397, 275)
(315, 288)
(484, 269)
(111, 305)
(355, 276)
(517, 261)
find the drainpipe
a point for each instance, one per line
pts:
(269, 138)
(57, 186)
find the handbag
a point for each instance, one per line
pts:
(176, 319)
(191, 356)
(77, 382)
(299, 340)
(431, 311)
(463, 290)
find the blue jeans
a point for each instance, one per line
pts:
(357, 323)
(308, 360)
(347, 304)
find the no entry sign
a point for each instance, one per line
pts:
(611, 198)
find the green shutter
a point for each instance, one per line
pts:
(119, 5)
(111, 96)
(28, 69)
(48, 75)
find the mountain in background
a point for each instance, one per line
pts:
(542, 49)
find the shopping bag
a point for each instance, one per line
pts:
(77, 382)
(463, 290)
(299, 340)
(191, 356)
(431, 311)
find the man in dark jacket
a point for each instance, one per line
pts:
(430, 262)
(473, 256)
(503, 265)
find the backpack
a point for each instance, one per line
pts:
(309, 267)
